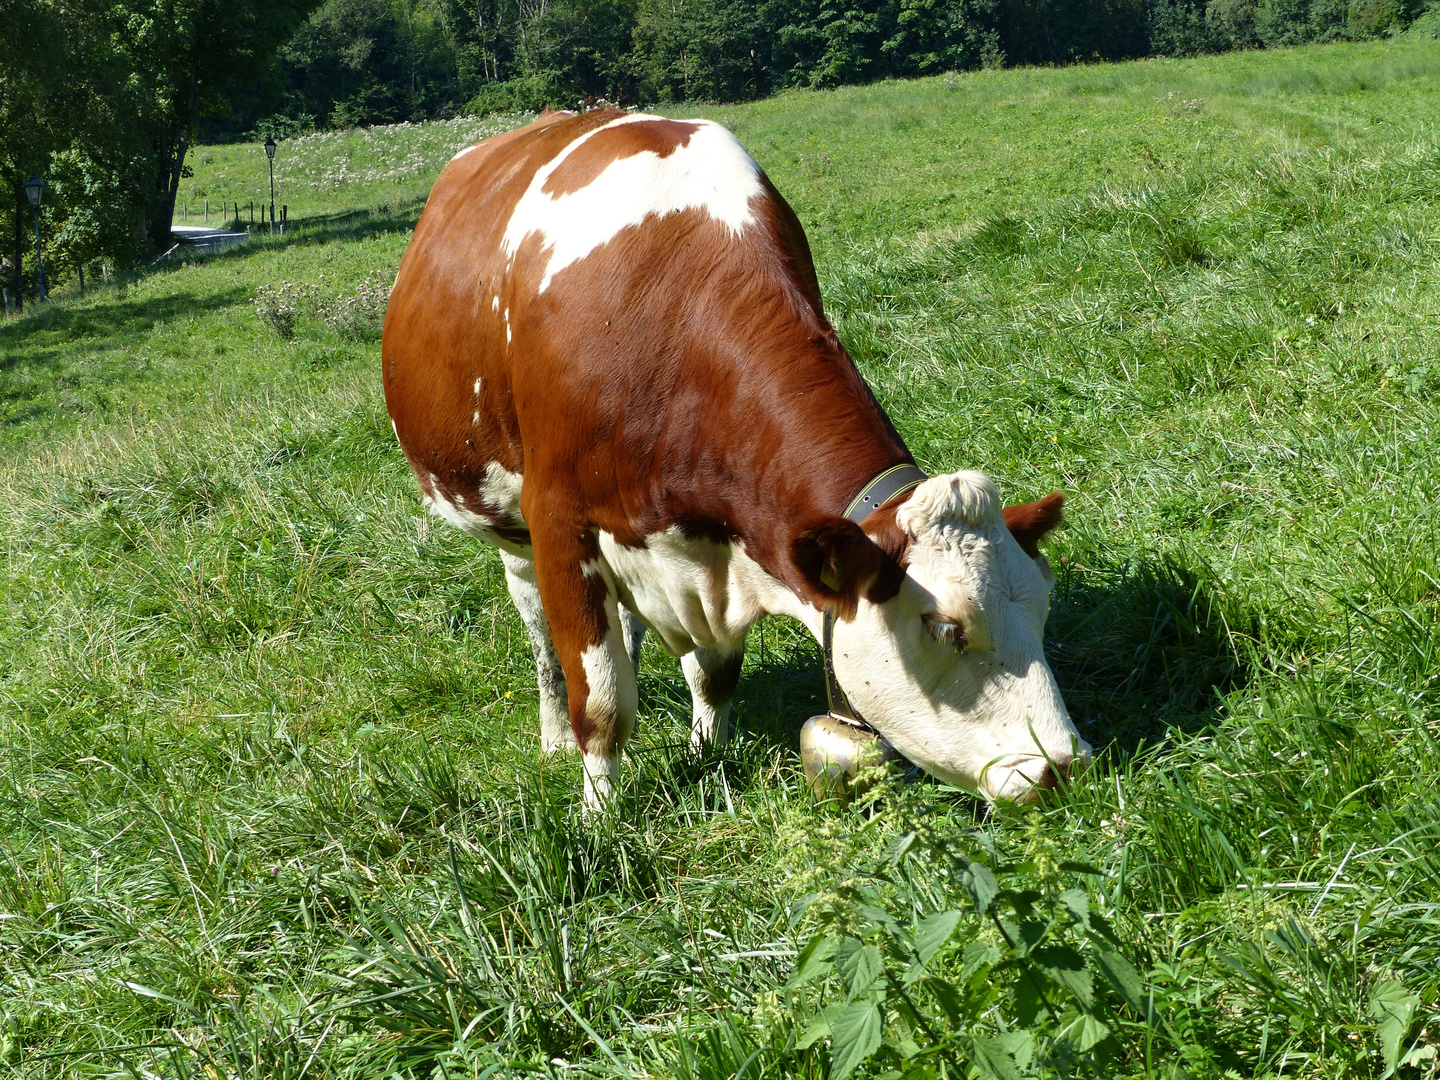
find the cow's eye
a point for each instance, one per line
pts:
(946, 631)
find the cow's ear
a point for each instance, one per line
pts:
(836, 564)
(1029, 522)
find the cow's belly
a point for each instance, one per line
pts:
(690, 592)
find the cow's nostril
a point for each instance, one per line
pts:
(1059, 771)
(1050, 776)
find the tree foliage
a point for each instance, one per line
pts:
(105, 98)
(372, 61)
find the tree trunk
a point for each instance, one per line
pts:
(163, 223)
(21, 205)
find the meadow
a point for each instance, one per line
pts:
(271, 804)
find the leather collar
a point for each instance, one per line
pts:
(881, 489)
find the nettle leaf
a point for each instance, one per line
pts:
(854, 1035)
(1027, 1001)
(1085, 1033)
(900, 847)
(879, 916)
(978, 956)
(992, 1059)
(819, 1028)
(1020, 1045)
(1101, 925)
(1121, 974)
(1067, 967)
(981, 884)
(1393, 1010)
(1023, 900)
(858, 964)
(933, 933)
(1078, 904)
(1031, 931)
(813, 961)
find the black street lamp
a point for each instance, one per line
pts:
(270, 153)
(33, 187)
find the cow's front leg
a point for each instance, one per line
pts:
(555, 732)
(587, 629)
(713, 676)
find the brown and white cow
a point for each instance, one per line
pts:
(605, 353)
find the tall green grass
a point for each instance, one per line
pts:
(270, 803)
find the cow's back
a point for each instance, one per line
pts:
(613, 318)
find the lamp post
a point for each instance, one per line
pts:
(33, 187)
(270, 153)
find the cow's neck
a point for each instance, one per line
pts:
(836, 440)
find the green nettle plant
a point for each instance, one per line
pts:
(1021, 977)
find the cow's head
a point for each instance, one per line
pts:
(941, 603)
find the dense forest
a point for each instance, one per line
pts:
(367, 61)
(105, 97)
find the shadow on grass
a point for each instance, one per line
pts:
(344, 226)
(44, 334)
(1140, 649)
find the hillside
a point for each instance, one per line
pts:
(269, 798)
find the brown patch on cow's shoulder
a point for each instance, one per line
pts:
(1029, 522)
(578, 171)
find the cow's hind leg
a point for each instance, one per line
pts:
(713, 676)
(555, 730)
(587, 628)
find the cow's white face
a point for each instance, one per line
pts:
(952, 668)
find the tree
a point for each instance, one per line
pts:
(185, 57)
(34, 112)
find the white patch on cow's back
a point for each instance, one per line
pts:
(712, 172)
(462, 153)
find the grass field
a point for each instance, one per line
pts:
(270, 802)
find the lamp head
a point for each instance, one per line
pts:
(33, 187)
(270, 148)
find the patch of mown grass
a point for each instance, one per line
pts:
(269, 801)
